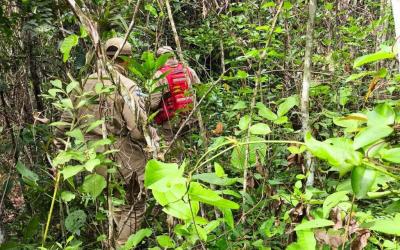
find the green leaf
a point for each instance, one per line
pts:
(239, 105)
(56, 83)
(211, 226)
(358, 76)
(182, 210)
(392, 155)
(317, 223)
(305, 241)
(387, 226)
(75, 221)
(94, 184)
(31, 229)
(28, 176)
(199, 193)
(151, 9)
(157, 170)
(281, 120)
(94, 125)
(268, 5)
(67, 196)
(265, 112)
(71, 86)
(219, 171)
(377, 56)
(260, 129)
(53, 92)
(228, 217)
(165, 241)
(77, 135)
(241, 74)
(70, 171)
(244, 122)
(136, 238)
(362, 179)
(67, 103)
(91, 164)
(332, 200)
(370, 135)
(161, 60)
(60, 124)
(287, 105)
(383, 114)
(212, 178)
(66, 46)
(338, 152)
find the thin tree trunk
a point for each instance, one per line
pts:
(306, 86)
(203, 131)
(396, 16)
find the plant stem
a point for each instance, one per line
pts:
(51, 208)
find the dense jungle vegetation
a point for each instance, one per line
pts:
(298, 139)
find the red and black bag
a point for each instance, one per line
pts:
(178, 99)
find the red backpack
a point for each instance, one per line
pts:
(178, 99)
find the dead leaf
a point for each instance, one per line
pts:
(361, 241)
(219, 128)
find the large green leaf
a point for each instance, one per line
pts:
(305, 241)
(332, 200)
(383, 114)
(244, 122)
(392, 155)
(182, 209)
(70, 171)
(265, 112)
(169, 190)
(157, 170)
(67, 196)
(317, 223)
(287, 105)
(387, 226)
(199, 193)
(94, 184)
(212, 178)
(362, 180)
(338, 152)
(136, 238)
(358, 75)
(260, 129)
(66, 46)
(28, 176)
(370, 135)
(165, 241)
(377, 56)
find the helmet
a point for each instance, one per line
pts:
(113, 44)
(164, 49)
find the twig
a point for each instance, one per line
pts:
(192, 112)
(253, 102)
(130, 28)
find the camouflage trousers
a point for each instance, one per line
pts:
(132, 162)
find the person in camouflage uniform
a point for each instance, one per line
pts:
(123, 110)
(169, 127)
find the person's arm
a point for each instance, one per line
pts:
(194, 78)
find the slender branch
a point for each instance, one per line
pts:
(130, 28)
(304, 103)
(197, 105)
(253, 101)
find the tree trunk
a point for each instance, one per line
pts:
(306, 86)
(396, 16)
